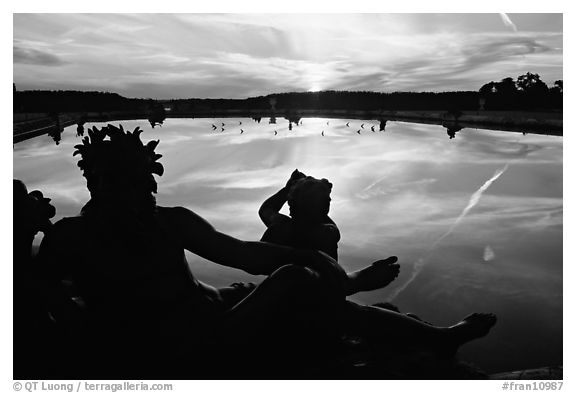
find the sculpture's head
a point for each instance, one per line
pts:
(117, 163)
(309, 199)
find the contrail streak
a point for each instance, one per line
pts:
(508, 22)
(474, 199)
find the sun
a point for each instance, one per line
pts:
(314, 88)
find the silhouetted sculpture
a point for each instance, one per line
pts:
(292, 118)
(310, 227)
(80, 129)
(452, 129)
(56, 133)
(153, 123)
(32, 214)
(125, 256)
(257, 119)
(156, 114)
(383, 124)
(34, 332)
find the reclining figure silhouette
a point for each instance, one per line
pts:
(148, 316)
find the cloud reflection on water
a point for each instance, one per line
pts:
(395, 193)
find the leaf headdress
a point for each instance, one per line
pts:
(122, 158)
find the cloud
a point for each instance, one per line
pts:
(489, 254)
(380, 188)
(235, 56)
(36, 57)
(508, 22)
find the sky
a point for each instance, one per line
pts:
(244, 55)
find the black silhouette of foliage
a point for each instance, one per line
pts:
(559, 85)
(527, 92)
(74, 101)
(336, 100)
(531, 83)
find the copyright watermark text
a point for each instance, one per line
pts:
(82, 386)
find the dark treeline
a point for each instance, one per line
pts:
(353, 100)
(51, 101)
(527, 93)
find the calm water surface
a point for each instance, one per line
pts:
(476, 221)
